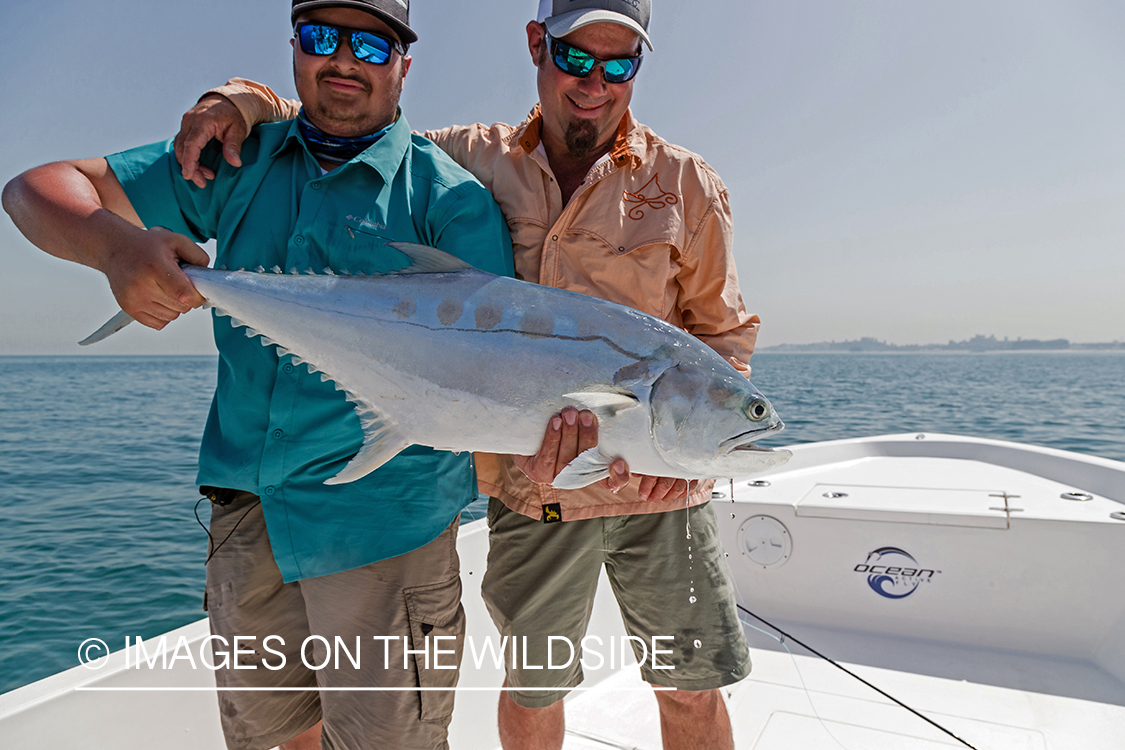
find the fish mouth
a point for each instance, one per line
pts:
(745, 441)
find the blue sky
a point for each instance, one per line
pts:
(912, 171)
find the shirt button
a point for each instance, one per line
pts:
(316, 185)
(288, 368)
(278, 433)
(299, 240)
(270, 490)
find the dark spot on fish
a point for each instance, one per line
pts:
(540, 322)
(488, 315)
(449, 311)
(405, 308)
(635, 371)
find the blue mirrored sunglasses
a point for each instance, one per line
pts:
(322, 39)
(579, 63)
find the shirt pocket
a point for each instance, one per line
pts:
(361, 247)
(639, 274)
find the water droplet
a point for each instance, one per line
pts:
(689, 557)
(693, 590)
(691, 599)
(698, 643)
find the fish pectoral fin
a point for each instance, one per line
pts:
(112, 326)
(589, 467)
(604, 404)
(381, 443)
(643, 373)
(426, 259)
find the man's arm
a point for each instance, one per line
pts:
(710, 300)
(78, 211)
(226, 114)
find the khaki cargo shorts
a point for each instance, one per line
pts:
(676, 597)
(402, 601)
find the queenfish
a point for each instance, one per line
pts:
(443, 354)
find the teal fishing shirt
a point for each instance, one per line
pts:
(274, 429)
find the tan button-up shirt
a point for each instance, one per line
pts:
(649, 227)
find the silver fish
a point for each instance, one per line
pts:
(445, 355)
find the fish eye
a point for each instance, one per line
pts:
(758, 410)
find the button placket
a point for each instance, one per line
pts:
(551, 256)
(301, 243)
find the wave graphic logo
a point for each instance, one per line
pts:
(893, 573)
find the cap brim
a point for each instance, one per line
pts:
(405, 33)
(565, 23)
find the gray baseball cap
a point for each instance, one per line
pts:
(395, 13)
(564, 16)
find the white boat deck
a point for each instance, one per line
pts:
(803, 702)
(1008, 628)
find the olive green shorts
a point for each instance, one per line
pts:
(541, 581)
(407, 601)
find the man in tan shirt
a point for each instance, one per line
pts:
(599, 204)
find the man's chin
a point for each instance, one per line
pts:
(581, 137)
(344, 122)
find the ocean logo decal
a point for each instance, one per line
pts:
(651, 196)
(893, 573)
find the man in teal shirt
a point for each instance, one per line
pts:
(292, 557)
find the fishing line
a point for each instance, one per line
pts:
(211, 547)
(801, 677)
(810, 649)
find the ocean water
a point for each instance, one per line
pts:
(98, 536)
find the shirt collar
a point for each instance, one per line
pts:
(628, 144)
(384, 156)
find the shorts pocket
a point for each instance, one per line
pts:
(437, 635)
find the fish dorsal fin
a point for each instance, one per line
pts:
(381, 443)
(604, 404)
(589, 467)
(426, 259)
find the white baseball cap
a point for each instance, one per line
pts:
(564, 16)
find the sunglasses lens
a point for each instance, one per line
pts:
(371, 47)
(318, 40)
(619, 71)
(573, 61)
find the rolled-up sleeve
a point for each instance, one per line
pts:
(257, 102)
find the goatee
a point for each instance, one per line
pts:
(581, 137)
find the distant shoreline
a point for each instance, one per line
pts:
(975, 345)
(865, 345)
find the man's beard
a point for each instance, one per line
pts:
(581, 137)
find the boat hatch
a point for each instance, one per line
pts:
(986, 509)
